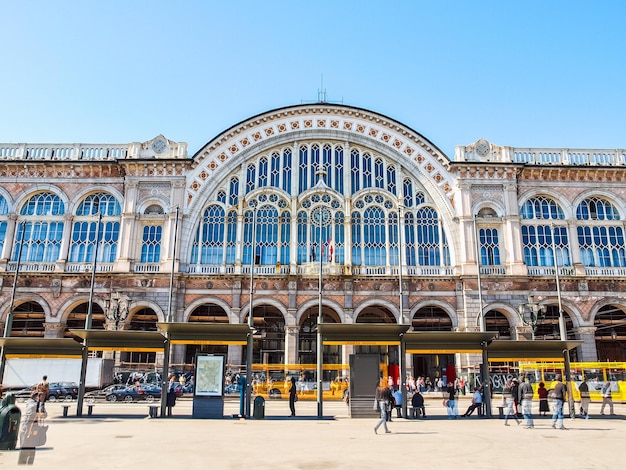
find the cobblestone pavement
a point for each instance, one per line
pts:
(122, 436)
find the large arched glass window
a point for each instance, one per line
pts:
(600, 239)
(267, 235)
(539, 238)
(374, 237)
(85, 229)
(41, 229)
(432, 246)
(208, 246)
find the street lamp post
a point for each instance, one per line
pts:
(562, 330)
(530, 313)
(250, 343)
(402, 351)
(321, 218)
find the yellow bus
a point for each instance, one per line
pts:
(274, 380)
(595, 373)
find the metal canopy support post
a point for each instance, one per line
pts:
(164, 375)
(486, 380)
(88, 321)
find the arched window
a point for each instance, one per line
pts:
(379, 173)
(407, 191)
(231, 237)
(267, 235)
(367, 170)
(430, 240)
(41, 229)
(355, 170)
(287, 171)
(339, 241)
(250, 177)
(391, 179)
(262, 172)
(151, 244)
(540, 240)
(600, 239)
(208, 246)
(303, 252)
(356, 239)
(4, 211)
(85, 229)
(338, 182)
(489, 247)
(315, 163)
(275, 170)
(285, 236)
(374, 237)
(327, 163)
(233, 197)
(303, 166)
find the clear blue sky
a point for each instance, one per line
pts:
(524, 74)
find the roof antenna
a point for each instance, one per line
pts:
(321, 92)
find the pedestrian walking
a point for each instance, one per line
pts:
(293, 397)
(526, 397)
(453, 412)
(42, 390)
(583, 388)
(542, 393)
(607, 398)
(383, 395)
(559, 394)
(509, 401)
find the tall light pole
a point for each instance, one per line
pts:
(481, 313)
(88, 321)
(401, 358)
(562, 330)
(8, 325)
(248, 390)
(321, 218)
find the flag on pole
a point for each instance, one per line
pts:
(331, 249)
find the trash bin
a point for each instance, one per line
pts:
(10, 416)
(259, 408)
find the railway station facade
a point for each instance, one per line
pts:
(315, 195)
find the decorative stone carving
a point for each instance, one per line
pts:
(55, 288)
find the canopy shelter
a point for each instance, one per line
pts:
(446, 342)
(125, 340)
(200, 333)
(538, 350)
(371, 334)
(113, 340)
(40, 347)
(205, 333)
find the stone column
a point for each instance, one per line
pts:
(587, 351)
(53, 330)
(523, 333)
(9, 238)
(291, 344)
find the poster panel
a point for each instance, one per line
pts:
(209, 375)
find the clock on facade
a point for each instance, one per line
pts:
(159, 145)
(321, 216)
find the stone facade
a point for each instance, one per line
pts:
(178, 244)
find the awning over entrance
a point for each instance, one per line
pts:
(446, 342)
(125, 340)
(40, 347)
(371, 334)
(205, 333)
(538, 350)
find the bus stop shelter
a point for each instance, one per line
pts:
(448, 342)
(200, 333)
(358, 334)
(113, 340)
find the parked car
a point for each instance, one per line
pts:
(140, 392)
(91, 397)
(58, 391)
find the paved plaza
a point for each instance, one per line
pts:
(122, 436)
